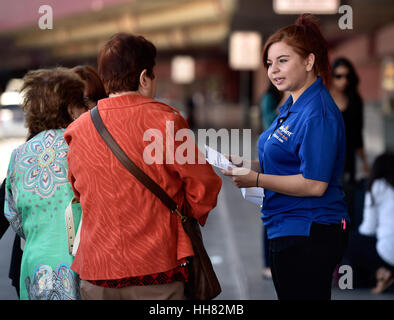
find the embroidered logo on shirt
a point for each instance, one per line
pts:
(285, 130)
(283, 133)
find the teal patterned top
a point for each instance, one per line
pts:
(37, 194)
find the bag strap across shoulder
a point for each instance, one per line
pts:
(131, 166)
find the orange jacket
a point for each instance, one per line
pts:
(127, 231)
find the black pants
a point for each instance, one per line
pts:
(302, 267)
(265, 245)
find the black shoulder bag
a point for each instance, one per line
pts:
(203, 283)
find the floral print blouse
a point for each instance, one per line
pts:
(37, 194)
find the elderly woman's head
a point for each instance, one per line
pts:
(53, 98)
(94, 88)
(126, 63)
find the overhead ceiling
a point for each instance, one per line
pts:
(169, 24)
(82, 26)
(368, 16)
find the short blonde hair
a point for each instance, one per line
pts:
(47, 95)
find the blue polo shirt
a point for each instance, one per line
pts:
(308, 138)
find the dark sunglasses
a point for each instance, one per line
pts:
(339, 76)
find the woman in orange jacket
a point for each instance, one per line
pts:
(131, 246)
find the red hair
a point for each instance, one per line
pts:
(305, 37)
(122, 59)
(94, 88)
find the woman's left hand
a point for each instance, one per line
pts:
(241, 177)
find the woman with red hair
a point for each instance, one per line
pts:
(131, 245)
(301, 158)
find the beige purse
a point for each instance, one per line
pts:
(73, 239)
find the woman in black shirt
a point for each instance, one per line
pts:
(343, 89)
(345, 94)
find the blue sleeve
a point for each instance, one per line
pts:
(11, 212)
(4, 224)
(318, 148)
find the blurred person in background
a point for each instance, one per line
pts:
(37, 188)
(371, 251)
(344, 90)
(269, 103)
(93, 91)
(301, 158)
(94, 88)
(131, 245)
(190, 109)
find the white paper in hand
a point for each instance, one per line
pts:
(217, 159)
(254, 194)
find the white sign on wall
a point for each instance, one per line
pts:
(245, 50)
(183, 69)
(12, 94)
(388, 74)
(310, 6)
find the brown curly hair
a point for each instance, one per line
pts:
(47, 95)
